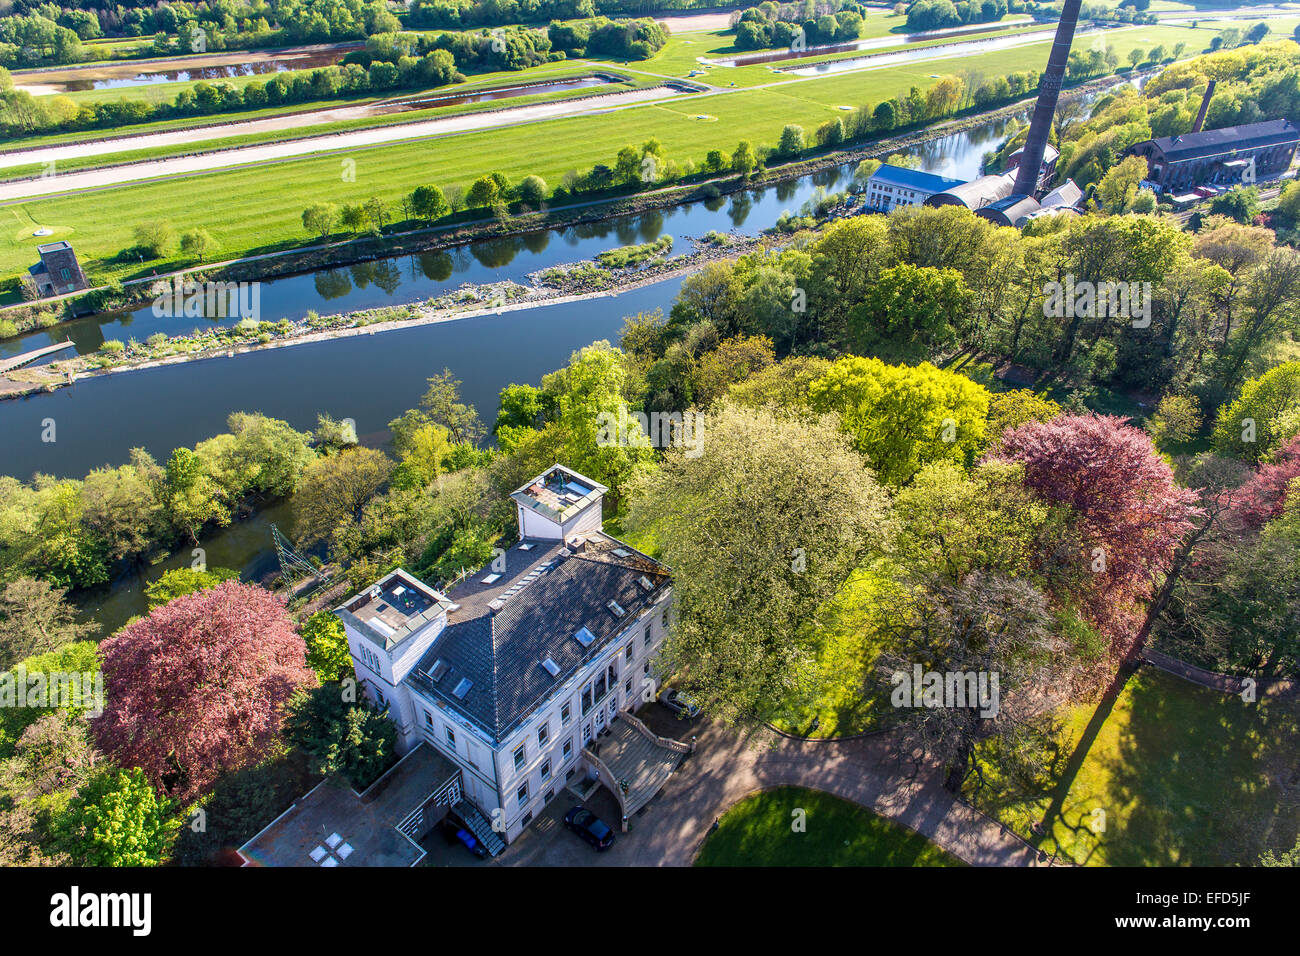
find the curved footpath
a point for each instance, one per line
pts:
(727, 767)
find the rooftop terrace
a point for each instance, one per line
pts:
(559, 493)
(394, 608)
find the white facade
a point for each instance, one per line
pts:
(511, 779)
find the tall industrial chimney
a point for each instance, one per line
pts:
(1205, 107)
(1049, 90)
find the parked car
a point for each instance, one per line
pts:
(590, 827)
(679, 703)
(454, 831)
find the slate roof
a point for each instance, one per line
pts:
(1212, 142)
(502, 631)
(913, 179)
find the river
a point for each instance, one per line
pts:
(371, 379)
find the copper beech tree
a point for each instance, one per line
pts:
(1128, 510)
(196, 689)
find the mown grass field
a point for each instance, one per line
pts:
(758, 831)
(1175, 775)
(200, 143)
(251, 210)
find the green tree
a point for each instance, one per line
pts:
(348, 738)
(190, 496)
(1250, 427)
(1177, 420)
(443, 403)
(198, 244)
(902, 418)
(743, 160)
(334, 489)
(791, 143)
(327, 647)
(117, 820)
(35, 618)
(761, 531)
(910, 313)
(1240, 203)
(180, 581)
(533, 190)
(1119, 187)
(483, 193)
(319, 218)
(429, 203)
(1013, 408)
(352, 217)
(154, 238)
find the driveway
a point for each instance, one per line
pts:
(728, 766)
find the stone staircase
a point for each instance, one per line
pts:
(479, 826)
(631, 754)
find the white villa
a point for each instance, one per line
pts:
(503, 684)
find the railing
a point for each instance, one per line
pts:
(612, 784)
(666, 742)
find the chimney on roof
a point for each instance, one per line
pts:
(1205, 107)
(577, 544)
(1049, 90)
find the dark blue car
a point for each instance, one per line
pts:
(590, 827)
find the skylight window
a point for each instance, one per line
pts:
(585, 637)
(646, 583)
(620, 552)
(462, 688)
(615, 608)
(527, 546)
(552, 668)
(492, 578)
(439, 669)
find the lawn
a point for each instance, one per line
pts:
(759, 831)
(1176, 775)
(258, 209)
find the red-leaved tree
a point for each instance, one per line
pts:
(196, 689)
(1263, 497)
(1128, 510)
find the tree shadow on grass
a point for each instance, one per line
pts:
(1199, 777)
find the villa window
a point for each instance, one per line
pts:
(546, 770)
(565, 716)
(543, 734)
(522, 794)
(568, 748)
(586, 700)
(627, 688)
(519, 758)
(428, 719)
(645, 668)
(629, 653)
(451, 738)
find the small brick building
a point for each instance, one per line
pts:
(58, 272)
